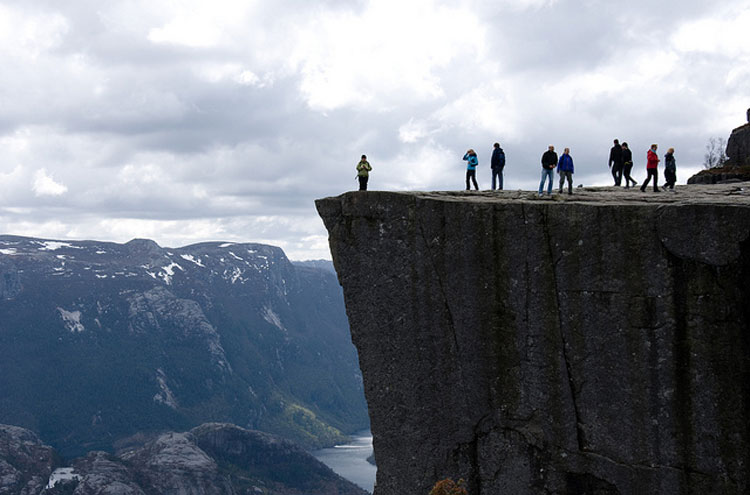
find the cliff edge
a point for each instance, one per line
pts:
(588, 344)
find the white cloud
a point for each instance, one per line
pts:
(187, 121)
(384, 54)
(27, 35)
(45, 185)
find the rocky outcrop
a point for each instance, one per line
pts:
(737, 167)
(592, 344)
(738, 146)
(213, 459)
(25, 462)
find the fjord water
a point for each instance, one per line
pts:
(350, 460)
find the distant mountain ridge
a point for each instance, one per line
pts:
(99, 341)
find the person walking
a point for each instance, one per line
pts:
(627, 165)
(363, 173)
(471, 168)
(670, 169)
(565, 170)
(652, 162)
(615, 162)
(497, 164)
(549, 161)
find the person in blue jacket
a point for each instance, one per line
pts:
(471, 168)
(565, 170)
(497, 163)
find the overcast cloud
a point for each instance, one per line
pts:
(185, 121)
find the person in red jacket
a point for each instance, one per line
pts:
(652, 162)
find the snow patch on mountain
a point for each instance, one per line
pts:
(72, 320)
(191, 258)
(271, 317)
(165, 395)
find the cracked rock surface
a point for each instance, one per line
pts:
(594, 343)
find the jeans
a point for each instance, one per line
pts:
(471, 174)
(617, 173)
(652, 172)
(671, 178)
(547, 173)
(566, 174)
(497, 173)
(626, 173)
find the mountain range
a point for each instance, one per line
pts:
(101, 342)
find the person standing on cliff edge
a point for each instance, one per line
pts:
(627, 165)
(471, 168)
(565, 170)
(652, 162)
(615, 162)
(497, 164)
(549, 162)
(363, 173)
(670, 170)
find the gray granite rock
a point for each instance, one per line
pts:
(597, 343)
(25, 462)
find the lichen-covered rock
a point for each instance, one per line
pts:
(591, 344)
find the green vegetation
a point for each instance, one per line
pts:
(449, 487)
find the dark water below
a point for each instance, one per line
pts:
(350, 460)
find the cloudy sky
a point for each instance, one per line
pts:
(185, 121)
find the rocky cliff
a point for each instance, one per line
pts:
(592, 344)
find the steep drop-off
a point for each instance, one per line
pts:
(588, 344)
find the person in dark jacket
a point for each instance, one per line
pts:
(627, 165)
(615, 162)
(549, 161)
(652, 169)
(497, 164)
(565, 170)
(471, 168)
(670, 169)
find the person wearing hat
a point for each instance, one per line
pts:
(363, 172)
(471, 168)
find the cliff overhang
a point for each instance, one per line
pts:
(591, 343)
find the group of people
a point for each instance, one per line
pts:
(497, 164)
(620, 164)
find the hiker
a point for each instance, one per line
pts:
(670, 169)
(497, 163)
(627, 165)
(652, 162)
(615, 162)
(549, 161)
(565, 170)
(363, 172)
(471, 168)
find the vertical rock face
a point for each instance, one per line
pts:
(738, 146)
(597, 344)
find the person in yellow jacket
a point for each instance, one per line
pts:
(363, 172)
